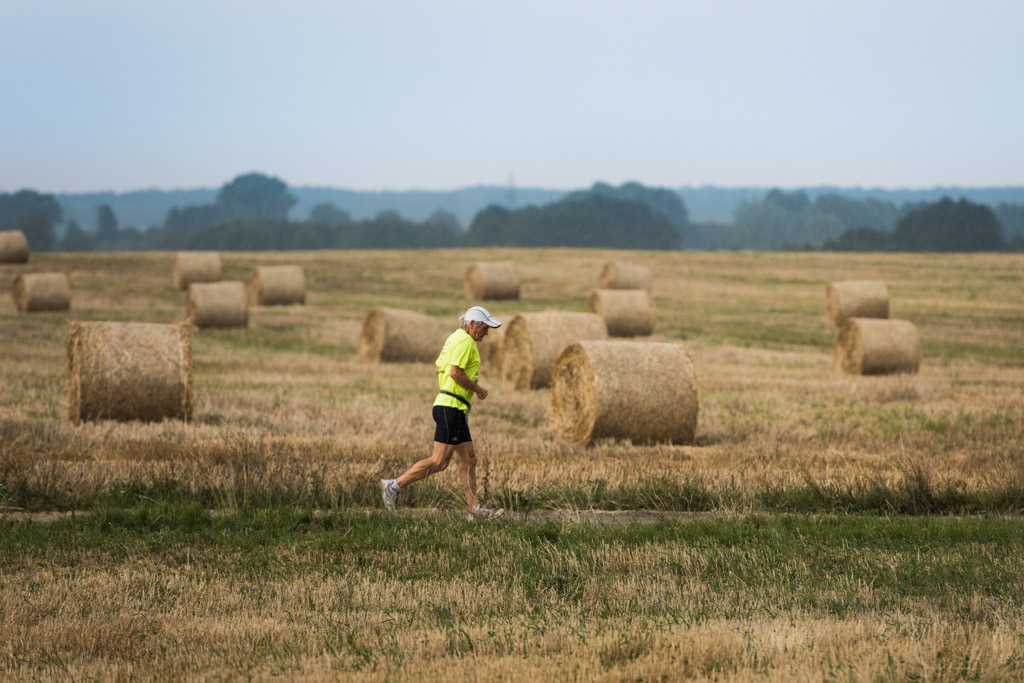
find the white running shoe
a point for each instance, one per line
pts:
(389, 495)
(485, 512)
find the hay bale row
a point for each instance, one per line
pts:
(393, 335)
(626, 312)
(196, 266)
(41, 292)
(279, 285)
(491, 281)
(218, 304)
(642, 391)
(13, 247)
(872, 346)
(129, 371)
(855, 299)
(534, 341)
(618, 275)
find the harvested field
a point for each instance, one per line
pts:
(843, 525)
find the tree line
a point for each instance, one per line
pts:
(250, 213)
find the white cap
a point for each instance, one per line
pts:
(479, 314)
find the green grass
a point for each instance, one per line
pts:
(777, 563)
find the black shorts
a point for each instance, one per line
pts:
(452, 425)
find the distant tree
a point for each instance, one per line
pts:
(328, 214)
(859, 213)
(589, 219)
(255, 196)
(946, 225)
(34, 214)
(77, 239)
(790, 201)
(860, 239)
(1011, 218)
(663, 202)
(107, 228)
(491, 226)
(444, 219)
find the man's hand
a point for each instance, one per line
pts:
(463, 380)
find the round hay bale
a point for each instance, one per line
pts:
(490, 351)
(618, 275)
(129, 371)
(41, 292)
(279, 285)
(492, 281)
(873, 346)
(391, 335)
(218, 304)
(13, 247)
(533, 342)
(196, 266)
(626, 312)
(856, 299)
(642, 391)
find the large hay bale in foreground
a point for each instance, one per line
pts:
(491, 281)
(642, 391)
(41, 292)
(129, 371)
(392, 335)
(856, 299)
(196, 266)
(13, 247)
(279, 285)
(218, 304)
(626, 312)
(534, 341)
(618, 275)
(873, 346)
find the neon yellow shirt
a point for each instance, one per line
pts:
(460, 350)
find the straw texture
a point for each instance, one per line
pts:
(642, 391)
(393, 335)
(218, 304)
(41, 292)
(626, 312)
(491, 351)
(279, 285)
(129, 371)
(13, 247)
(534, 341)
(618, 275)
(491, 281)
(196, 266)
(856, 299)
(871, 346)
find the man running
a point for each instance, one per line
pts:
(458, 368)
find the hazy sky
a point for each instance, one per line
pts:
(385, 94)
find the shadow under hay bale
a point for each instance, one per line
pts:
(534, 341)
(279, 285)
(129, 371)
(13, 247)
(196, 266)
(626, 312)
(41, 292)
(855, 299)
(642, 391)
(872, 346)
(218, 304)
(490, 281)
(618, 275)
(391, 335)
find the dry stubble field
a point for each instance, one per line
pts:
(290, 423)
